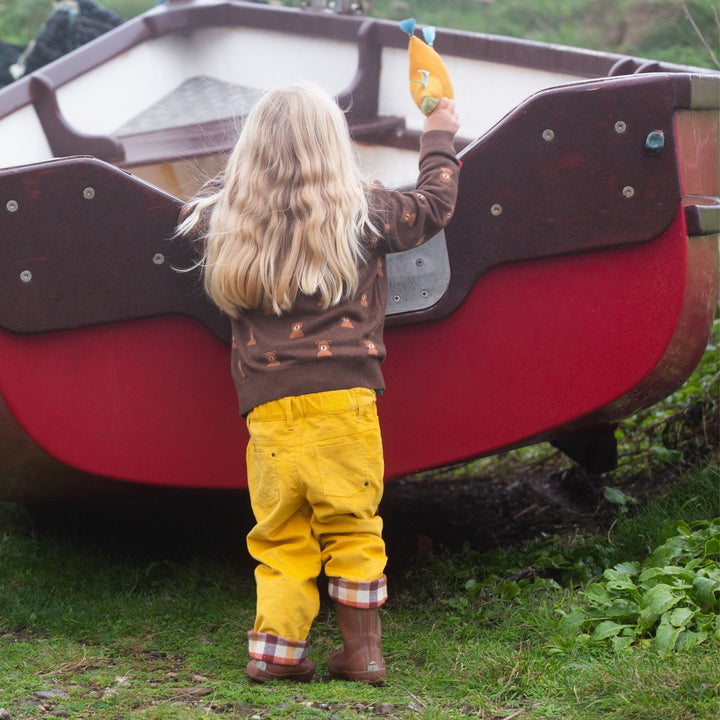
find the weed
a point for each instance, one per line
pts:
(669, 601)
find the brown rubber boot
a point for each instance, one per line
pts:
(361, 657)
(262, 671)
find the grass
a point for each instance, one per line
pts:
(90, 628)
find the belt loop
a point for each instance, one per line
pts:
(287, 402)
(356, 394)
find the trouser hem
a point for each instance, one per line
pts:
(275, 649)
(358, 594)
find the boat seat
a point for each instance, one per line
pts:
(203, 100)
(196, 101)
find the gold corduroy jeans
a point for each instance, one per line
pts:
(315, 474)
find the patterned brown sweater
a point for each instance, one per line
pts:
(313, 350)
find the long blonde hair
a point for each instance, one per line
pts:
(292, 210)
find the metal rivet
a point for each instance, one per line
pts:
(158, 258)
(419, 262)
(12, 205)
(424, 293)
(89, 193)
(496, 209)
(628, 191)
(396, 298)
(26, 276)
(548, 135)
(620, 126)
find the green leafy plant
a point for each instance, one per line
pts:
(671, 601)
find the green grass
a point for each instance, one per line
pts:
(659, 30)
(111, 633)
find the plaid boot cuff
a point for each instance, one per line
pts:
(358, 594)
(276, 650)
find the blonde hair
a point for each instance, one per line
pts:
(292, 210)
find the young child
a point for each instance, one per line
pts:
(293, 247)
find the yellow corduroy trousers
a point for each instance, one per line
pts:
(315, 475)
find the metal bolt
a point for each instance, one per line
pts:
(548, 135)
(89, 193)
(158, 258)
(628, 191)
(655, 141)
(424, 293)
(12, 205)
(496, 209)
(620, 126)
(396, 298)
(26, 276)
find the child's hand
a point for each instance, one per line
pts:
(443, 117)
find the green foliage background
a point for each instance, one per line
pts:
(20, 20)
(657, 29)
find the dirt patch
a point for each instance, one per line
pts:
(489, 512)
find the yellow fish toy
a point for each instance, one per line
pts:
(429, 78)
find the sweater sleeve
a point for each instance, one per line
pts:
(408, 219)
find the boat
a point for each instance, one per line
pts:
(575, 285)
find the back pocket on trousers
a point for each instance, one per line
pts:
(343, 468)
(263, 478)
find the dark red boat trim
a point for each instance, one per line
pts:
(567, 171)
(586, 182)
(62, 137)
(72, 266)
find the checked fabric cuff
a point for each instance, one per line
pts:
(358, 594)
(276, 650)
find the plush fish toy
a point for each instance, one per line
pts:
(429, 78)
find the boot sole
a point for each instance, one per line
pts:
(260, 671)
(369, 677)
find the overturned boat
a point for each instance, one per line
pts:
(575, 285)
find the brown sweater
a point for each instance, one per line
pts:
(313, 350)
